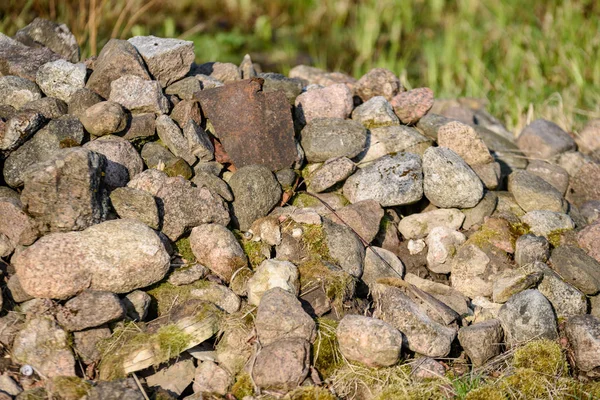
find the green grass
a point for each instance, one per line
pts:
(527, 58)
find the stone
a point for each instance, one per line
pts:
(81, 100)
(583, 184)
(9, 386)
(10, 325)
(174, 378)
(326, 138)
(85, 343)
(420, 225)
(267, 230)
(485, 208)
(412, 105)
(135, 204)
(566, 299)
(267, 136)
(544, 223)
(44, 345)
(590, 210)
(526, 316)
(588, 139)
(378, 82)
(117, 59)
(61, 79)
(184, 111)
(554, 174)
(375, 112)
(214, 183)
(247, 70)
(206, 82)
(333, 171)
(544, 140)
(472, 272)
(423, 335)
(219, 295)
(184, 88)
(363, 217)
(280, 315)
(64, 193)
(282, 365)
(291, 87)
(369, 341)
(16, 227)
(464, 141)
(19, 128)
(61, 265)
(56, 37)
(172, 137)
(533, 193)
(448, 181)
(530, 248)
(481, 341)
(424, 368)
(442, 244)
(48, 107)
(122, 160)
(272, 274)
(583, 333)
(344, 247)
(333, 101)
(391, 180)
(211, 378)
(16, 91)
(104, 118)
(16, 290)
(90, 309)
(157, 156)
(255, 191)
(138, 95)
(22, 61)
(124, 389)
(313, 75)
(511, 282)
(589, 240)
(446, 294)
(577, 268)
(137, 304)
(188, 274)
(384, 140)
(168, 60)
(199, 142)
(223, 72)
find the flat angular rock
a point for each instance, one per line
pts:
(448, 181)
(138, 95)
(81, 100)
(577, 268)
(16, 91)
(378, 82)
(64, 193)
(198, 141)
(391, 180)
(122, 160)
(544, 223)
(526, 316)
(280, 315)
(172, 137)
(412, 105)
(282, 365)
(472, 271)
(184, 111)
(156, 156)
(57, 37)
(267, 135)
(530, 248)
(384, 140)
(533, 193)
(445, 294)
(214, 183)
(185, 88)
(137, 304)
(117, 59)
(481, 341)
(375, 112)
(363, 217)
(61, 265)
(61, 79)
(168, 60)
(511, 282)
(49, 107)
(483, 209)
(174, 378)
(272, 274)
(136, 204)
(583, 332)
(417, 226)
(331, 172)
(19, 128)
(333, 101)
(292, 87)
(218, 71)
(369, 341)
(188, 274)
(22, 61)
(325, 138)
(90, 309)
(544, 140)
(104, 118)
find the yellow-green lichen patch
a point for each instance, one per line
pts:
(310, 393)
(172, 340)
(68, 388)
(303, 200)
(326, 354)
(543, 356)
(184, 249)
(486, 392)
(519, 229)
(34, 394)
(166, 295)
(243, 386)
(315, 241)
(555, 236)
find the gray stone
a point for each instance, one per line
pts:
(61, 79)
(184, 88)
(286, 178)
(583, 333)
(375, 112)
(526, 316)
(391, 180)
(56, 37)
(137, 304)
(90, 309)
(590, 210)
(446, 294)
(544, 223)
(188, 274)
(392, 139)
(10, 325)
(504, 150)
(583, 185)
(533, 193)
(20, 60)
(272, 274)
(222, 72)
(511, 282)
(267, 230)
(217, 248)
(170, 134)
(334, 101)
(247, 70)
(49, 107)
(344, 247)
(123, 389)
(214, 183)
(333, 171)
(141, 127)
(448, 181)
(577, 268)
(157, 156)
(378, 82)
(19, 128)
(118, 58)
(136, 204)
(369, 341)
(256, 191)
(530, 248)
(138, 95)
(483, 209)
(419, 225)
(219, 295)
(185, 111)
(104, 118)
(364, 217)
(282, 365)
(174, 378)
(61, 265)
(481, 341)
(325, 138)
(206, 81)
(280, 315)
(16, 91)
(123, 161)
(168, 60)
(544, 140)
(16, 290)
(86, 343)
(45, 346)
(9, 386)
(290, 86)
(551, 173)
(472, 272)
(311, 75)
(442, 245)
(81, 100)
(199, 143)
(64, 193)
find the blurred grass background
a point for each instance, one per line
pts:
(527, 58)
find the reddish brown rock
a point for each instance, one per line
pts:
(589, 240)
(584, 185)
(267, 135)
(411, 106)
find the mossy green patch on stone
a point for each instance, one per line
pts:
(555, 236)
(33, 394)
(543, 356)
(69, 388)
(486, 392)
(326, 354)
(166, 295)
(337, 284)
(172, 340)
(315, 241)
(310, 393)
(243, 386)
(519, 229)
(303, 200)
(183, 248)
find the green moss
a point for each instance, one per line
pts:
(303, 200)
(526, 383)
(315, 241)
(254, 252)
(172, 341)
(69, 388)
(555, 236)
(543, 356)
(483, 237)
(33, 394)
(325, 350)
(519, 229)
(337, 284)
(243, 386)
(183, 248)
(166, 295)
(310, 393)
(357, 381)
(486, 392)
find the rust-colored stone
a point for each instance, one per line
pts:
(254, 127)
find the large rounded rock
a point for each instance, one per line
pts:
(577, 268)
(123, 161)
(448, 181)
(334, 101)
(90, 309)
(117, 256)
(104, 118)
(272, 274)
(282, 365)
(543, 139)
(533, 193)
(256, 191)
(325, 138)
(61, 79)
(583, 332)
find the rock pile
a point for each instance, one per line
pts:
(213, 230)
